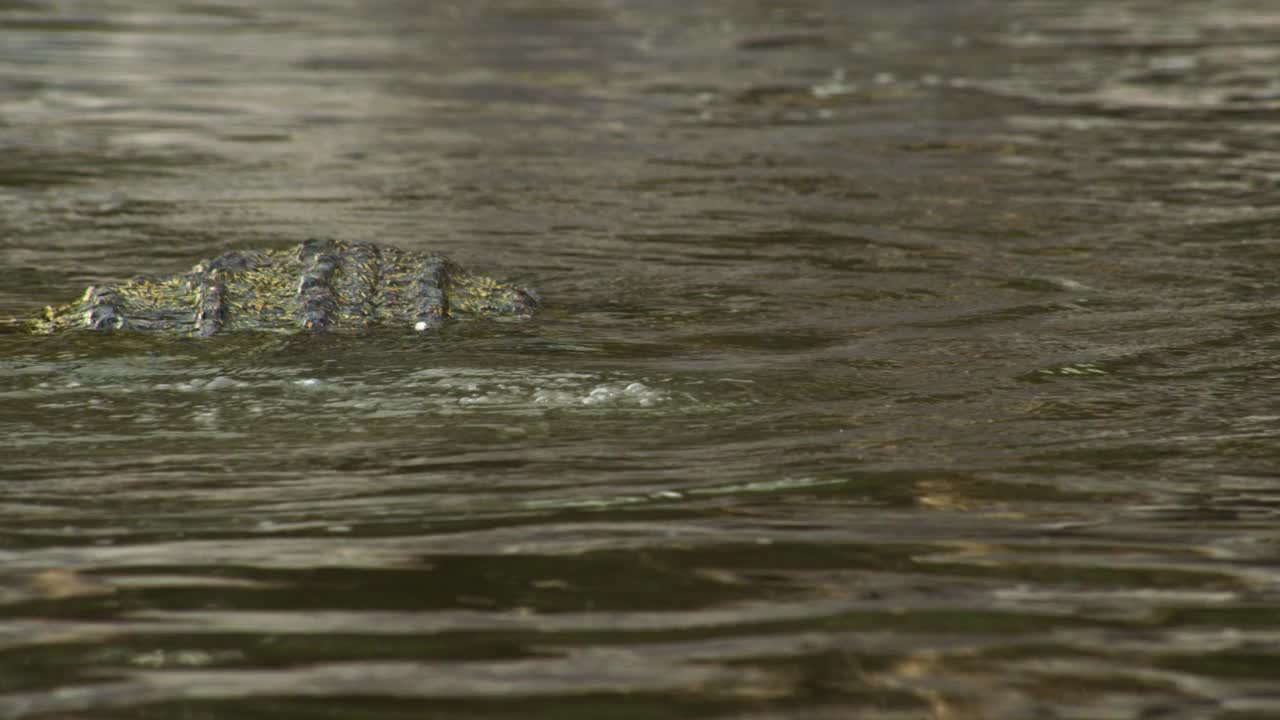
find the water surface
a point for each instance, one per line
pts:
(899, 360)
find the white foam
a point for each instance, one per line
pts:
(603, 395)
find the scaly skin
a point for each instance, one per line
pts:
(318, 286)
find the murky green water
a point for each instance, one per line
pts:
(907, 359)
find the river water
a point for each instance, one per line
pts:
(900, 359)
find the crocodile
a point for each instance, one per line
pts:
(318, 286)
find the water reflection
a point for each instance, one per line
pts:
(899, 360)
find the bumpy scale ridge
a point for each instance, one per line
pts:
(318, 286)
